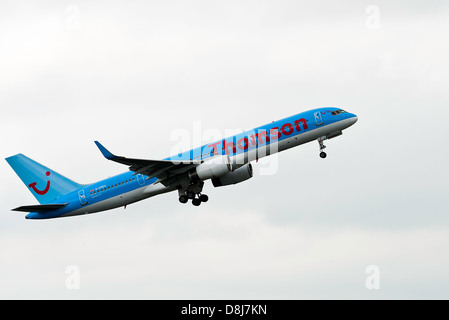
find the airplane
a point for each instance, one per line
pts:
(225, 162)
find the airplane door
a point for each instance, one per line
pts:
(141, 179)
(318, 119)
(82, 197)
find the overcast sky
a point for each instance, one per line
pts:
(130, 74)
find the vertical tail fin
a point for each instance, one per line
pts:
(45, 184)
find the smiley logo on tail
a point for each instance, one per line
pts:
(41, 192)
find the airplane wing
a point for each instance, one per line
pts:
(161, 169)
(41, 208)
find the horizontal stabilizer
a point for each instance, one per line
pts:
(41, 208)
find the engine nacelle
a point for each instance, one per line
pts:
(213, 168)
(234, 177)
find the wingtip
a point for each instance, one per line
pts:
(108, 155)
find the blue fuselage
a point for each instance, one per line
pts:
(129, 187)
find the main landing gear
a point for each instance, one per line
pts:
(322, 147)
(192, 192)
(196, 198)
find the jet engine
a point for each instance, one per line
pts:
(212, 168)
(239, 175)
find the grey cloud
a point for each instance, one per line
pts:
(130, 74)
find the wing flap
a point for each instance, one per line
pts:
(161, 169)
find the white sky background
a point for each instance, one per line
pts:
(129, 74)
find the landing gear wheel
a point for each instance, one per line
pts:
(322, 147)
(183, 199)
(196, 202)
(203, 198)
(190, 195)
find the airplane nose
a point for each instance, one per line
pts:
(353, 119)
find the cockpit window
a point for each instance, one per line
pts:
(336, 112)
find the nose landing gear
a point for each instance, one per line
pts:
(322, 147)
